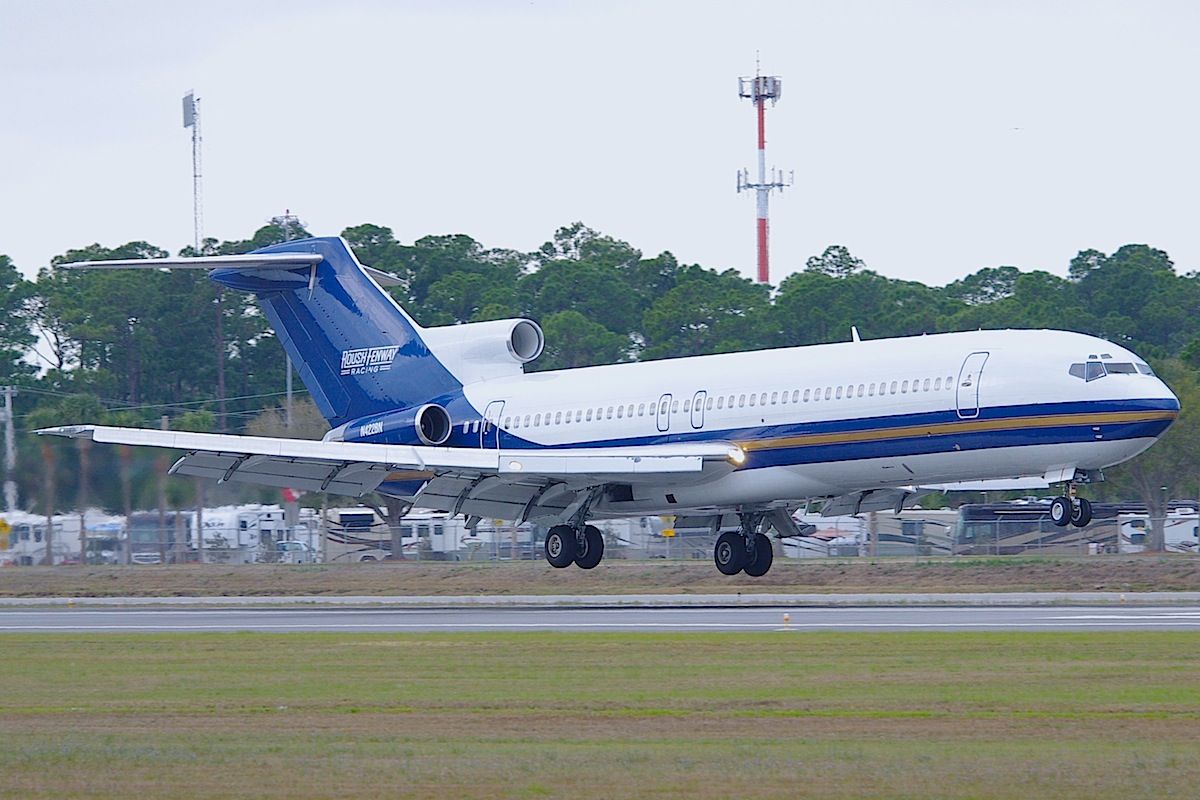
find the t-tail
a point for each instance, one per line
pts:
(359, 354)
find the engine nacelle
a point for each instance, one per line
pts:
(481, 350)
(429, 424)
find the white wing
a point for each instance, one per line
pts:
(484, 482)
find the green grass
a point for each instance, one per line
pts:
(987, 715)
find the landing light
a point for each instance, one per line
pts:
(515, 466)
(737, 455)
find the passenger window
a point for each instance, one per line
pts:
(567, 420)
(687, 405)
(675, 407)
(796, 396)
(741, 401)
(949, 380)
(925, 385)
(753, 398)
(894, 386)
(937, 385)
(762, 399)
(579, 416)
(806, 395)
(609, 414)
(663, 408)
(721, 401)
(537, 420)
(641, 409)
(629, 411)
(861, 389)
(838, 395)
(774, 398)
(870, 390)
(904, 387)
(507, 420)
(589, 415)
(708, 406)
(527, 419)
(828, 392)
(558, 418)
(620, 412)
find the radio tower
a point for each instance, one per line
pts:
(760, 89)
(191, 119)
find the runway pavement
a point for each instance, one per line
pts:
(781, 619)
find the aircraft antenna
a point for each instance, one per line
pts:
(191, 119)
(760, 89)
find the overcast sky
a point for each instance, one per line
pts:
(931, 138)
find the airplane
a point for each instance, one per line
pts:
(448, 418)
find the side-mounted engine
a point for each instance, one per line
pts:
(428, 424)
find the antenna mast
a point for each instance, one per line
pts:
(191, 119)
(760, 89)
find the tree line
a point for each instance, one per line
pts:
(129, 347)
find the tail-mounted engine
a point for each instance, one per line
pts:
(482, 350)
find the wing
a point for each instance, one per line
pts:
(509, 484)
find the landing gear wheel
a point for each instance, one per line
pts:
(561, 546)
(1060, 511)
(1081, 513)
(730, 553)
(591, 549)
(757, 566)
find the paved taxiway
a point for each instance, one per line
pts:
(396, 620)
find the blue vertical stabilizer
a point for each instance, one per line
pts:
(357, 351)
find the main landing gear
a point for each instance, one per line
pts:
(1070, 510)
(581, 546)
(748, 550)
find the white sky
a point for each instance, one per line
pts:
(931, 138)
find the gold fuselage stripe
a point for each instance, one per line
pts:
(958, 426)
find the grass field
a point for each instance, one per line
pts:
(990, 715)
(1007, 574)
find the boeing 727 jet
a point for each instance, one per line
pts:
(447, 418)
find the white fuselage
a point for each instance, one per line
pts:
(824, 420)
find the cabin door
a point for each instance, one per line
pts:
(489, 430)
(698, 409)
(663, 412)
(968, 385)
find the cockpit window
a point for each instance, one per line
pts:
(1095, 369)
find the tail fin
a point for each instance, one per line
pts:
(357, 351)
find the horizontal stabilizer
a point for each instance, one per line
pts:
(247, 261)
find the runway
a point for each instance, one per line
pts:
(782, 619)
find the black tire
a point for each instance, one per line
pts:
(592, 551)
(764, 556)
(1060, 511)
(1081, 513)
(561, 546)
(729, 554)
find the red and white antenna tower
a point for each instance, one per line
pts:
(760, 89)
